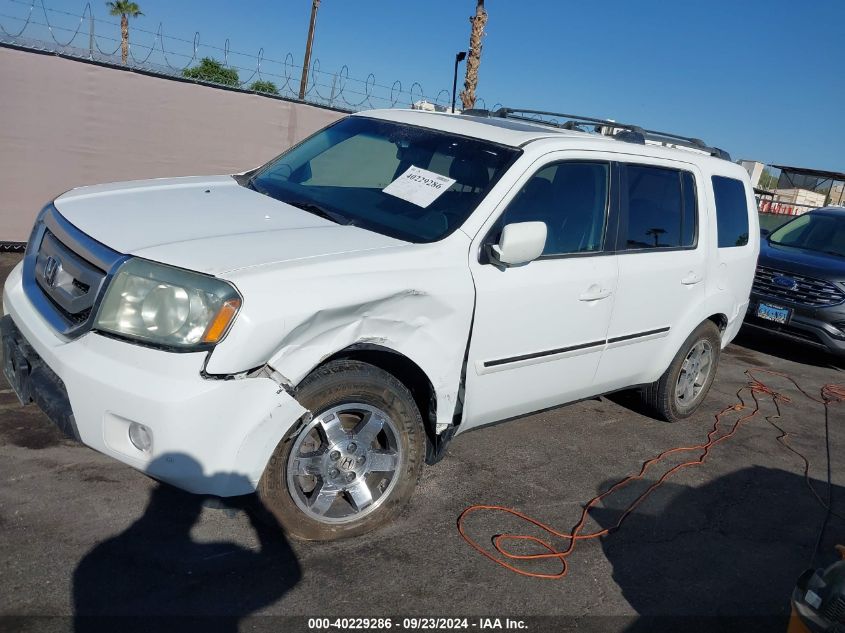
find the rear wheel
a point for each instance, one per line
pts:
(682, 388)
(354, 467)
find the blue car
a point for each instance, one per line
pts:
(799, 286)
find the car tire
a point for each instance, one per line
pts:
(365, 422)
(679, 392)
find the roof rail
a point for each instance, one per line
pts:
(623, 131)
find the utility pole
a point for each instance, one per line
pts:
(90, 34)
(459, 57)
(303, 84)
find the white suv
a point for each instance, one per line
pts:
(320, 327)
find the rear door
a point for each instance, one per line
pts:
(662, 267)
(539, 329)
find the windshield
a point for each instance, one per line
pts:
(407, 182)
(820, 232)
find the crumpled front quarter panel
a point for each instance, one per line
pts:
(416, 300)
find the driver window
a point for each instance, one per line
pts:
(571, 199)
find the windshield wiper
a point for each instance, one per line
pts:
(321, 211)
(251, 184)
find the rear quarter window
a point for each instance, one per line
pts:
(731, 211)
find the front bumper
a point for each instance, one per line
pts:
(816, 326)
(209, 436)
(32, 380)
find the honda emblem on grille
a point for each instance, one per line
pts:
(785, 282)
(51, 270)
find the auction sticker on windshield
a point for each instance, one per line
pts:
(419, 186)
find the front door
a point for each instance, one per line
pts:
(540, 328)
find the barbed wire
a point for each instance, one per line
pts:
(333, 89)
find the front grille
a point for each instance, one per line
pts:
(73, 319)
(81, 286)
(66, 278)
(65, 273)
(835, 610)
(806, 291)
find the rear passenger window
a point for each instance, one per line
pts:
(731, 211)
(571, 198)
(661, 208)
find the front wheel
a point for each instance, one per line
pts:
(354, 467)
(682, 388)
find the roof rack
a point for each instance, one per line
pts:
(619, 131)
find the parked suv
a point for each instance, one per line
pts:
(799, 288)
(320, 327)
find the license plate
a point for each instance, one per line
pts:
(16, 369)
(772, 313)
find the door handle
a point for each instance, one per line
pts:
(594, 293)
(692, 278)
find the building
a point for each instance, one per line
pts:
(798, 189)
(822, 187)
(754, 169)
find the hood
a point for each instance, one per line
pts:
(211, 225)
(801, 261)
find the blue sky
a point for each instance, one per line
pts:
(762, 78)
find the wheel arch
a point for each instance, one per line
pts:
(405, 370)
(680, 334)
(721, 321)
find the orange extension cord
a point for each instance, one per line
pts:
(829, 394)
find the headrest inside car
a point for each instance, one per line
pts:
(469, 173)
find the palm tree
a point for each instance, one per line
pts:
(303, 83)
(125, 10)
(474, 58)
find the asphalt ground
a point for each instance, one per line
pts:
(80, 532)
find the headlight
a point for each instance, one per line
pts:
(167, 306)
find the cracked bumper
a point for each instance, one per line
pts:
(208, 436)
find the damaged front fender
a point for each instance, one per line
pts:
(416, 301)
(408, 322)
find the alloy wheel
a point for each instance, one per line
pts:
(694, 374)
(345, 463)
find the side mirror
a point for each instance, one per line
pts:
(520, 243)
(764, 232)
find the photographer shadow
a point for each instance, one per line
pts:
(724, 556)
(155, 576)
